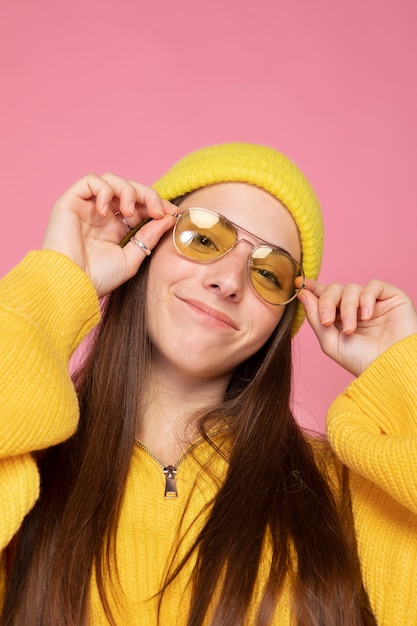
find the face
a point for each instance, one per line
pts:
(204, 319)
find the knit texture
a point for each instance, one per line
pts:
(263, 167)
(35, 349)
(372, 427)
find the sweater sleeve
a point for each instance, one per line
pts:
(47, 306)
(372, 426)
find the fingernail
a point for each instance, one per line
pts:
(325, 316)
(131, 208)
(347, 325)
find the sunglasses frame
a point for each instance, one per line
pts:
(236, 228)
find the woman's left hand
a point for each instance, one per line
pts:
(355, 324)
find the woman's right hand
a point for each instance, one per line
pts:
(86, 224)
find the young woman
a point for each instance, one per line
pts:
(174, 486)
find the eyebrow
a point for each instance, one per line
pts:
(248, 232)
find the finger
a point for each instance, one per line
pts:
(148, 198)
(138, 200)
(310, 303)
(349, 308)
(124, 192)
(375, 290)
(169, 207)
(337, 304)
(328, 302)
(314, 286)
(146, 238)
(89, 187)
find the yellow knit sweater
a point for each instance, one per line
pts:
(372, 427)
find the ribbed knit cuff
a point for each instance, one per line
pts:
(372, 426)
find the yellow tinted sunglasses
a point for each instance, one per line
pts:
(205, 236)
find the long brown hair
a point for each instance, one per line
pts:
(273, 485)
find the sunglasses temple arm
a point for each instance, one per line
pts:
(133, 232)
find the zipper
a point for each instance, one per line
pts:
(170, 471)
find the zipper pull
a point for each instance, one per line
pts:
(170, 484)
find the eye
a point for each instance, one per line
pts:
(205, 241)
(201, 245)
(268, 276)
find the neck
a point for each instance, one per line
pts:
(169, 421)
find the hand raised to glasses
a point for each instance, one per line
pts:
(355, 324)
(86, 224)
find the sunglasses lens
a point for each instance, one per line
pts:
(202, 235)
(273, 274)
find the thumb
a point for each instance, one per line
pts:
(141, 241)
(310, 305)
(310, 302)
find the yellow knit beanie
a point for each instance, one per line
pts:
(263, 167)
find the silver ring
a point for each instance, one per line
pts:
(122, 219)
(141, 245)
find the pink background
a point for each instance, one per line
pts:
(130, 86)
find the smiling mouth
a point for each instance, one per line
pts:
(209, 311)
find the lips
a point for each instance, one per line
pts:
(212, 312)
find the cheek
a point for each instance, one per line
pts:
(265, 321)
(166, 269)
(163, 260)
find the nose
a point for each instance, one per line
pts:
(229, 274)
